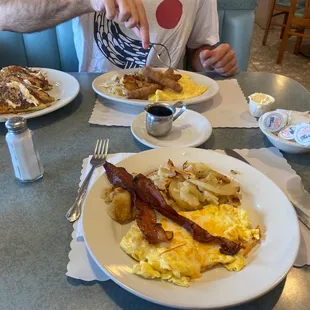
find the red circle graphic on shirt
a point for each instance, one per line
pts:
(169, 13)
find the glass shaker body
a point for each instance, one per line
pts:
(24, 156)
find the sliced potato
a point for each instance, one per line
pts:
(171, 202)
(188, 188)
(203, 171)
(219, 189)
(185, 195)
(161, 183)
(184, 173)
(162, 177)
(211, 198)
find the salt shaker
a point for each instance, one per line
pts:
(24, 156)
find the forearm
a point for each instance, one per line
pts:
(194, 57)
(36, 15)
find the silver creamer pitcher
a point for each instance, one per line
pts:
(160, 116)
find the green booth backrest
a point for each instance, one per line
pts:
(54, 48)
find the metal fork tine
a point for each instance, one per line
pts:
(159, 58)
(158, 55)
(106, 149)
(102, 149)
(99, 148)
(96, 148)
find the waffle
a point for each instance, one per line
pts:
(23, 90)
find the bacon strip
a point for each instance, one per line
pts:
(148, 192)
(145, 191)
(145, 216)
(119, 176)
(146, 220)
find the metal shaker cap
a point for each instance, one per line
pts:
(16, 124)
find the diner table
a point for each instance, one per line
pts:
(35, 236)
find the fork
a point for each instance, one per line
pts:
(302, 216)
(98, 159)
(159, 54)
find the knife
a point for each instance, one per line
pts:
(236, 155)
(302, 216)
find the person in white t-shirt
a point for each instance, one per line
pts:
(175, 25)
(104, 39)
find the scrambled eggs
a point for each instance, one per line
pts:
(183, 259)
(190, 90)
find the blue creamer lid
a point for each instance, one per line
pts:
(302, 134)
(274, 122)
(288, 133)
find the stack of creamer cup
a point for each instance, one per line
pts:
(289, 125)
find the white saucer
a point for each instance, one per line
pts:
(191, 129)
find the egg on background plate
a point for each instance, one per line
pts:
(190, 90)
(183, 259)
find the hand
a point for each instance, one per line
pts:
(131, 13)
(221, 60)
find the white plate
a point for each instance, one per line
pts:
(191, 129)
(199, 79)
(267, 266)
(65, 89)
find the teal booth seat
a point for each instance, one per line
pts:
(54, 48)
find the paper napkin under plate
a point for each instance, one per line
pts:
(81, 265)
(228, 108)
(268, 160)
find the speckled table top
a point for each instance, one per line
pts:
(35, 236)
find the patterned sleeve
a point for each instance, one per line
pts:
(206, 26)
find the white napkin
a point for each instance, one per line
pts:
(268, 160)
(81, 265)
(228, 108)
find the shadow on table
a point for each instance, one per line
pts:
(77, 282)
(123, 298)
(206, 145)
(51, 118)
(209, 144)
(300, 159)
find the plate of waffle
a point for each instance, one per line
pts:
(142, 86)
(32, 92)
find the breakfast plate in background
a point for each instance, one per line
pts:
(266, 267)
(199, 79)
(65, 89)
(191, 129)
